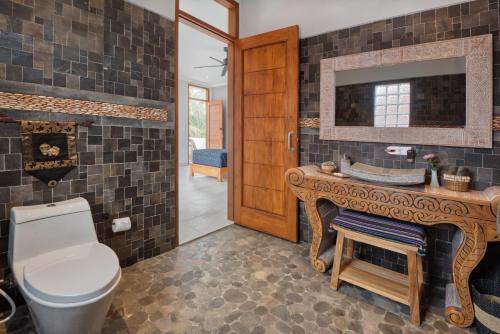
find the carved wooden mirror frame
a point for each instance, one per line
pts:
(478, 52)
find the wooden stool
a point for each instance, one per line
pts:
(405, 289)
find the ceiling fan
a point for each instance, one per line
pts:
(222, 63)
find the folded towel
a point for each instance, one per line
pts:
(383, 227)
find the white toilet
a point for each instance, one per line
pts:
(66, 276)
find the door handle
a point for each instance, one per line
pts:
(289, 141)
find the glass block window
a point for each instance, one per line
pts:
(392, 105)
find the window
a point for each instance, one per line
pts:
(392, 105)
(197, 108)
(209, 11)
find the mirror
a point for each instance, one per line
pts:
(437, 93)
(421, 94)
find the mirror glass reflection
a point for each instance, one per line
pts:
(420, 94)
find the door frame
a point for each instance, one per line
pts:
(230, 38)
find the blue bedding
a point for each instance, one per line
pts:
(210, 157)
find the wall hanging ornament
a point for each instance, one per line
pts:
(49, 149)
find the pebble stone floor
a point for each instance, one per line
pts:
(240, 281)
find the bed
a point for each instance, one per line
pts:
(210, 162)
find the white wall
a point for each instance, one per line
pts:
(315, 17)
(183, 123)
(165, 8)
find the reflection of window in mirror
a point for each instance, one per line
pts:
(437, 95)
(392, 105)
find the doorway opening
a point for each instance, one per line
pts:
(202, 133)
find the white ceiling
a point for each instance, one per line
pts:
(319, 16)
(195, 48)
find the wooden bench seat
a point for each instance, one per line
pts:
(405, 289)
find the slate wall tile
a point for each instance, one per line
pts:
(6, 7)
(86, 44)
(32, 75)
(14, 72)
(87, 84)
(5, 55)
(22, 12)
(10, 178)
(22, 58)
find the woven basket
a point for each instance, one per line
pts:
(456, 183)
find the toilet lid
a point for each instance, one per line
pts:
(73, 274)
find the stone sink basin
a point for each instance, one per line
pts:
(392, 176)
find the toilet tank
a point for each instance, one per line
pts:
(39, 229)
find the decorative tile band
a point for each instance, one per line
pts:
(496, 123)
(80, 107)
(309, 123)
(313, 123)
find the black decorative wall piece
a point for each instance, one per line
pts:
(49, 149)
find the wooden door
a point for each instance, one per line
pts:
(215, 123)
(265, 133)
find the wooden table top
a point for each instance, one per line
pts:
(489, 196)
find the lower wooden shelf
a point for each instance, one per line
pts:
(385, 282)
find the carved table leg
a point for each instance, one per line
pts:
(469, 248)
(322, 245)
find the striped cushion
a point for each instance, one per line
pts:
(382, 227)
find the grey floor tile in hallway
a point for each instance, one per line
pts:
(202, 205)
(240, 281)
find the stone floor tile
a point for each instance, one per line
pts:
(240, 281)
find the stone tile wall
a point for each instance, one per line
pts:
(94, 50)
(126, 169)
(462, 20)
(106, 46)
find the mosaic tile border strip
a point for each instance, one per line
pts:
(314, 123)
(79, 107)
(496, 123)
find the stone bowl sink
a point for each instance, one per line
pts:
(392, 176)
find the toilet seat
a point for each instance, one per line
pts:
(73, 274)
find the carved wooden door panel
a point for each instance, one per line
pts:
(266, 125)
(215, 120)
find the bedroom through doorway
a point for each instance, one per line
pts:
(202, 134)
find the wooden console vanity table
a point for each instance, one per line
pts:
(474, 213)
